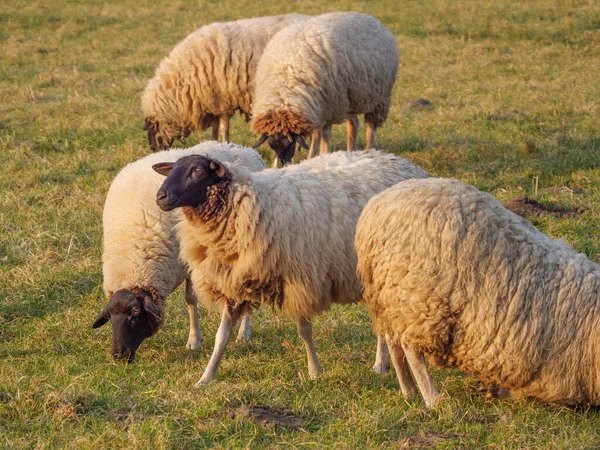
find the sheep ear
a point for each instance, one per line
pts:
(163, 168)
(261, 140)
(102, 318)
(302, 142)
(150, 307)
(217, 168)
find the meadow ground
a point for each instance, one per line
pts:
(514, 110)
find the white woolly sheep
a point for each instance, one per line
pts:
(320, 72)
(141, 264)
(453, 276)
(284, 237)
(206, 78)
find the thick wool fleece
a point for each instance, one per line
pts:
(141, 249)
(285, 237)
(451, 273)
(210, 74)
(324, 71)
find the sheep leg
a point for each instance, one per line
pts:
(215, 129)
(315, 141)
(305, 332)
(371, 130)
(275, 163)
(195, 335)
(407, 385)
(382, 357)
(352, 125)
(325, 146)
(244, 331)
(224, 129)
(229, 317)
(418, 366)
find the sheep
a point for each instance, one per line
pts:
(141, 265)
(206, 78)
(320, 72)
(283, 237)
(451, 275)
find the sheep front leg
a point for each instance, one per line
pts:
(325, 146)
(305, 332)
(371, 131)
(315, 141)
(229, 317)
(382, 357)
(352, 125)
(244, 331)
(224, 129)
(418, 366)
(195, 335)
(407, 385)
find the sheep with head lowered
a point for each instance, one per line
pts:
(141, 264)
(206, 78)
(320, 72)
(284, 237)
(451, 275)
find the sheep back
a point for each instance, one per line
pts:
(449, 272)
(287, 236)
(323, 71)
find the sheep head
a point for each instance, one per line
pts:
(161, 136)
(134, 317)
(283, 145)
(192, 181)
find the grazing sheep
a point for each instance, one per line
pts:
(141, 265)
(320, 72)
(282, 237)
(452, 275)
(206, 78)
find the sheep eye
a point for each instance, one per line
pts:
(198, 171)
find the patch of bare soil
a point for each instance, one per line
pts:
(419, 103)
(270, 416)
(428, 440)
(527, 207)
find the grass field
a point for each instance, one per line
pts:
(514, 102)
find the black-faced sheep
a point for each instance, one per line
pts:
(141, 264)
(453, 276)
(323, 71)
(284, 237)
(206, 78)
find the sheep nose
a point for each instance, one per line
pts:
(124, 356)
(161, 196)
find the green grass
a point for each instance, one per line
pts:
(71, 74)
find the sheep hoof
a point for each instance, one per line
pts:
(381, 368)
(203, 382)
(243, 335)
(193, 343)
(314, 373)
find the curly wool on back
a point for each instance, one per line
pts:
(210, 74)
(451, 274)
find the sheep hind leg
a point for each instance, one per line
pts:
(229, 317)
(195, 335)
(325, 145)
(224, 129)
(305, 332)
(352, 125)
(382, 357)
(244, 331)
(407, 385)
(215, 129)
(315, 141)
(371, 131)
(418, 366)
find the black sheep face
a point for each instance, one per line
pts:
(188, 181)
(161, 136)
(133, 318)
(283, 145)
